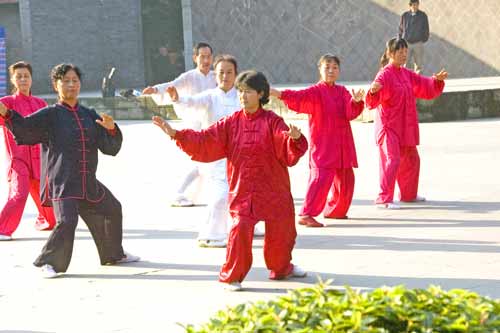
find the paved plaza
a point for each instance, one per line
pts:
(452, 240)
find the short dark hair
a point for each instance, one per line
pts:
(17, 65)
(200, 45)
(413, 1)
(328, 57)
(256, 81)
(60, 70)
(228, 58)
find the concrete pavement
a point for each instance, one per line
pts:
(452, 240)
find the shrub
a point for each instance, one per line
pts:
(383, 310)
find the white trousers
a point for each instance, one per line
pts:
(216, 226)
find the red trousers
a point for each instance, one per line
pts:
(279, 241)
(401, 164)
(20, 185)
(340, 184)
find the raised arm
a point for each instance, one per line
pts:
(180, 82)
(27, 130)
(201, 101)
(354, 103)
(378, 92)
(110, 137)
(207, 145)
(428, 87)
(301, 101)
(289, 143)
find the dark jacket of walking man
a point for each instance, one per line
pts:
(414, 28)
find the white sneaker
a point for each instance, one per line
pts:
(212, 243)
(297, 272)
(233, 286)
(389, 205)
(128, 258)
(182, 202)
(48, 272)
(419, 199)
(5, 238)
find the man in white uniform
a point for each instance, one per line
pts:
(189, 83)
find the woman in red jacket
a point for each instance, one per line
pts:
(24, 161)
(259, 148)
(332, 155)
(394, 92)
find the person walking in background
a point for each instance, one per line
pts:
(414, 28)
(71, 136)
(332, 155)
(189, 83)
(259, 148)
(393, 93)
(23, 173)
(212, 105)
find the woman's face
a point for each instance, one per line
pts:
(226, 74)
(398, 57)
(68, 87)
(329, 71)
(22, 80)
(249, 99)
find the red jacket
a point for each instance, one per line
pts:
(30, 155)
(258, 153)
(330, 109)
(396, 102)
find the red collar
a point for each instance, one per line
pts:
(254, 115)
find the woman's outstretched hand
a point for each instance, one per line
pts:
(172, 92)
(165, 126)
(294, 132)
(442, 75)
(358, 95)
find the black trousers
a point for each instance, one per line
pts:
(104, 221)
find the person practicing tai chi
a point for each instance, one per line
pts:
(259, 148)
(23, 173)
(393, 93)
(212, 105)
(332, 156)
(71, 136)
(189, 83)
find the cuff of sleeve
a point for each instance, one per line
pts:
(113, 131)
(439, 83)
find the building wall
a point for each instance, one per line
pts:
(9, 19)
(285, 38)
(95, 35)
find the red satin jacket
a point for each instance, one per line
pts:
(258, 153)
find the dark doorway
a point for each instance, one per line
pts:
(163, 40)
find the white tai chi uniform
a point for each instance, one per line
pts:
(213, 105)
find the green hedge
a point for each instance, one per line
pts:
(392, 310)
